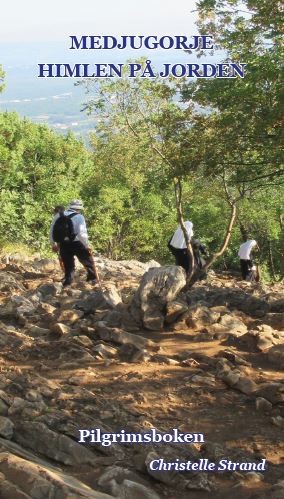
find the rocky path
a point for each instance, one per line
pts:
(140, 353)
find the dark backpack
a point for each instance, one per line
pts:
(63, 229)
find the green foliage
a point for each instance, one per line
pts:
(39, 169)
(130, 216)
(243, 126)
(225, 148)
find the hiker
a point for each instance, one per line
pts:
(177, 246)
(69, 237)
(248, 269)
(198, 249)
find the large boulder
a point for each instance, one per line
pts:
(275, 320)
(10, 282)
(274, 392)
(45, 265)
(22, 479)
(17, 306)
(276, 301)
(158, 287)
(106, 298)
(175, 311)
(6, 427)
(276, 355)
(234, 299)
(200, 316)
(39, 438)
(121, 337)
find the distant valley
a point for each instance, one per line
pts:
(58, 102)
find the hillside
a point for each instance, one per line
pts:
(140, 353)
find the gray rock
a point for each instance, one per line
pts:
(246, 385)
(263, 405)
(125, 484)
(113, 318)
(105, 351)
(50, 289)
(132, 490)
(158, 287)
(17, 406)
(264, 341)
(277, 305)
(3, 408)
(200, 316)
(4, 339)
(121, 337)
(277, 421)
(45, 265)
(175, 310)
(6, 427)
(10, 282)
(106, 298)
(111, 295)
(276, 355)
(39, 438)
(33, 396)
(234, 358)
(83, 341)
(167, 477)
(275, 320)
(37, 331)
(233, 324)
(60, 329)
(131, 353)
(70, 316)
(231, 378)
(275, 492)
(25, 479)
(274, 392)
(17, 306)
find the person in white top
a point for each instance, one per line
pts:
(177, 246)
(69, 237)
(245, 257)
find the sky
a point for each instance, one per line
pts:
(55, 20)
(35, 31)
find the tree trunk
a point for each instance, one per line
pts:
(178, 194)
(226, 238)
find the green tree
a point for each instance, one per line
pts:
(38, 169)
(148, 111)
(242, 120)
(130, 214)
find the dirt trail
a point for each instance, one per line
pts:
(63, 381)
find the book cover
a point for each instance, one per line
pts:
(141, 249)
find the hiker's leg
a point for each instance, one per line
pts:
(85, 259)
(250, 264)
(250, 272)
(180, 256)
(244, 268)
(67, 256)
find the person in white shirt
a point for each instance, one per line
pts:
(177, 246)
(75, 245)
(245, 257)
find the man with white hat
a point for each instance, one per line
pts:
(69, 236)
(245, 258)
